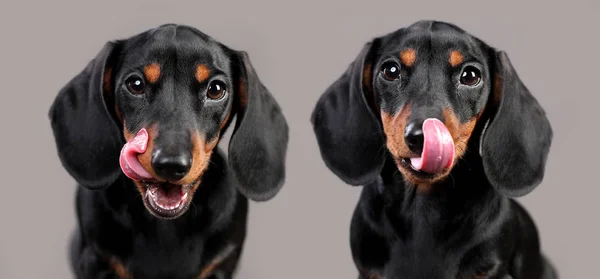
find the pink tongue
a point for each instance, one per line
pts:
(129, 163)
(438, 148)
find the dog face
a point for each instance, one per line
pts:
(176, 85)
(439, 75)
(421, 92)
(156, 105)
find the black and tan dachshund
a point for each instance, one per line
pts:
(138, 130)
(442, 133)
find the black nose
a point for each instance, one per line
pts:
(171, 166)
(413, 136)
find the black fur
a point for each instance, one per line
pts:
(344, 122)
(113, 223)
(465, 225)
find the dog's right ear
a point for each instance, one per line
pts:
(87, 137)
(515, 145)
(349, 135)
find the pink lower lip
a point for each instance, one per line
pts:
(169, 199)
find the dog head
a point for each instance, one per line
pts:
(154, 106)
(420, 92)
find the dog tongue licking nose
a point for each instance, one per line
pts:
(438, 148)
(128, 160)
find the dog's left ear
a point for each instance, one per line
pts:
(517, 140)
(258, 145)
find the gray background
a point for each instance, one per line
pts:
(298, 49)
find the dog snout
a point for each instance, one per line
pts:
(171, 164)
(413, 136)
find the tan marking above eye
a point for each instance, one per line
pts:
(408, 57)
(152, 72)
(455, 58)
(202, 73)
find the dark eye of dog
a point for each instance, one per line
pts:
(470, 76)
(390, 70)
(216, 90)
(135, 85)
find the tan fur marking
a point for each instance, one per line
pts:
(119, 269)
(455, 58)
(374, 276)
(393, 127)
(408, 57)
(366, 78)
(106, 82)
(108, 93)
(225, 121)
(461, 132)
(201, 152)
(128, 134)
(118, 113)
(214, 264)
(202, 73)
(152, 72)
(243, 94)
(497, 94)
(367, 83)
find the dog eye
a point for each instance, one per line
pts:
(135, 85)
(470, 76)
(390, 70)
(216, 90)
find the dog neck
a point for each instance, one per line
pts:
(459, 194)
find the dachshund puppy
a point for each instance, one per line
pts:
(138, 130)
(441, 133)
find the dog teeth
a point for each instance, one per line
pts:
(152, 194)
(167, 207)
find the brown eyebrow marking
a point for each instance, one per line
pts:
(408, 57)
(202, 73)
(455, 58)
(152, 72)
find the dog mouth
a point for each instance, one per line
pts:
(437, 154)
(162, 199)
(166, 200)
(406, 165)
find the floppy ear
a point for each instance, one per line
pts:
(348, 133)
(258, 145)
(517, 140)
(86, 136)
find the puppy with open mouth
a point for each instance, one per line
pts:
(138, 129)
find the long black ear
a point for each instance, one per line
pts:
(348, 133)
(258, 145)
(517, 140)
(86, 136)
